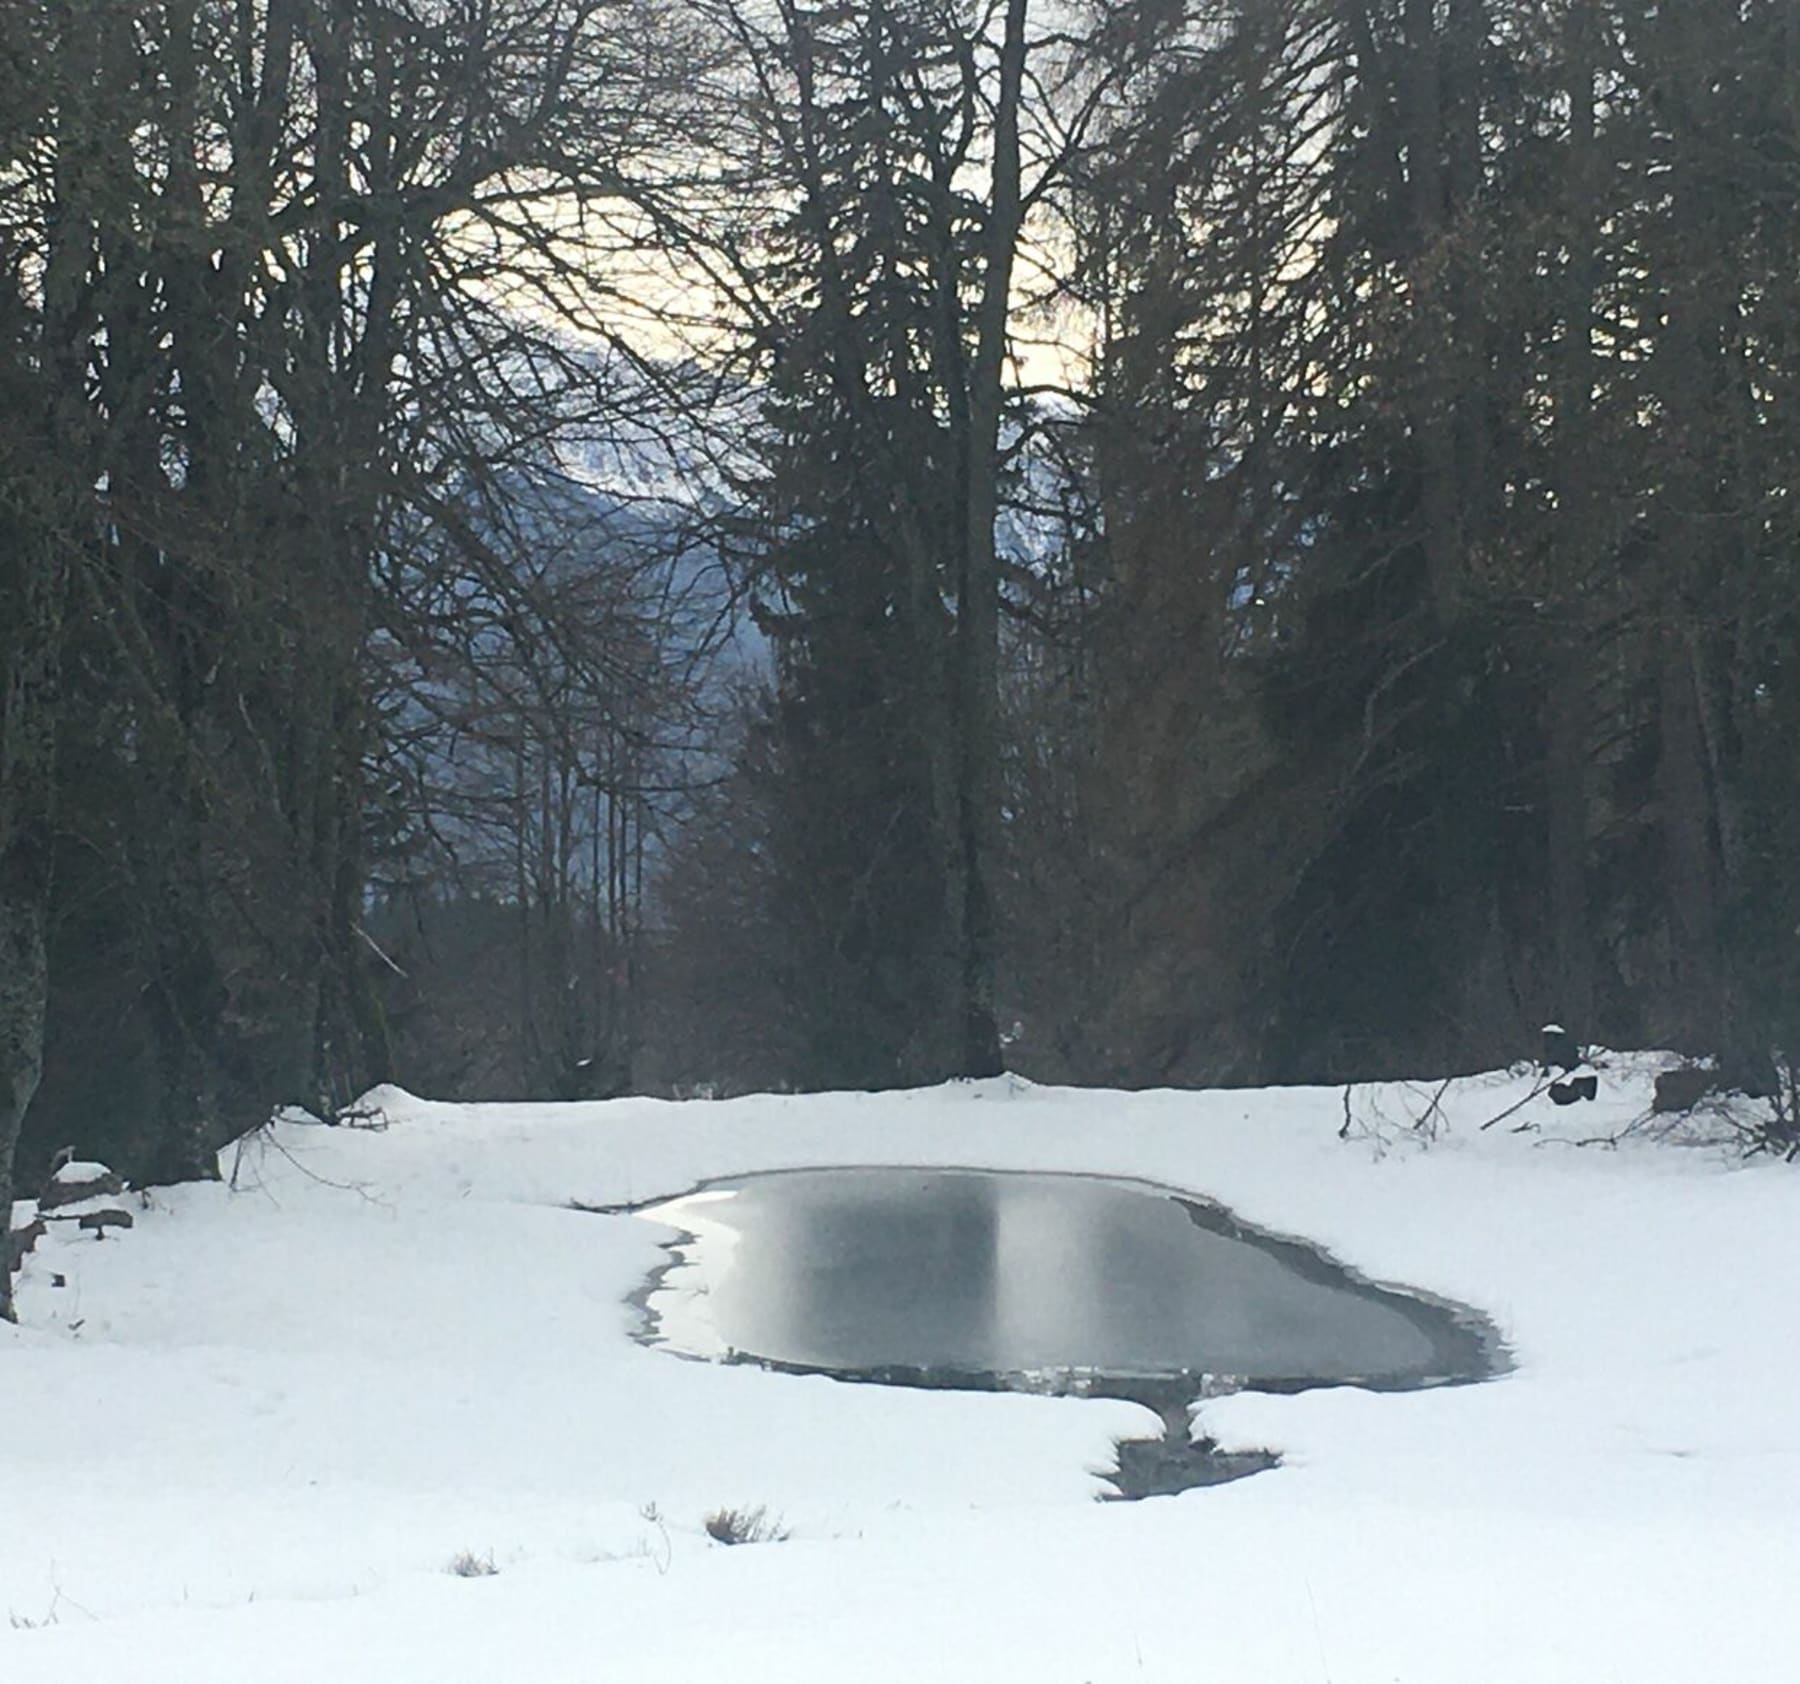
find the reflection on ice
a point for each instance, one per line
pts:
(1033, 1280)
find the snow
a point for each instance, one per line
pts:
(77, 1173)
(247, 1438)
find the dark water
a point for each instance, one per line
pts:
(948, 1276)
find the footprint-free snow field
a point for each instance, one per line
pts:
(251, 1437)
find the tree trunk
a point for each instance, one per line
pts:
(1577, 541)
(44, 421)
(978, 613)
(1434, 405)
(1690, 879)
(30, 618)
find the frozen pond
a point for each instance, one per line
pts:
(1056, 1282)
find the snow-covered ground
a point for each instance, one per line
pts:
(246, 1439)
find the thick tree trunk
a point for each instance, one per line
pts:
(30, 615)
(41, 411)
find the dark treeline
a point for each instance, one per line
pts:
(292, 584)
(569, 546)
(1397, 603)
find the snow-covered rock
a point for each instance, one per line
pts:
(22, 1239)
(96, 1222)
(73, 1182)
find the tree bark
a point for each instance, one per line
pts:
(1434, 405)
(31, 591)
(1576, 543)
(978, 612)
(1690, 878)
(40, 410)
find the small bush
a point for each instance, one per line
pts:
(745, 1526)
(466, 1564)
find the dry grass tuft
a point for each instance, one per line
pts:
(745, 1526)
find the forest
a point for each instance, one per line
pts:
(560, 548)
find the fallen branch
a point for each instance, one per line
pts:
(1542, 1088)
(264, 1134)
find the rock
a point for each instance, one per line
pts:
(74, 1182)
(1683, 1089)
(1575, 1087)
(96, 1222)
(21, 1241)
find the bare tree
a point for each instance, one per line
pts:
(325, 272)
(888, 166)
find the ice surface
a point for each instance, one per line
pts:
(957, 1272)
